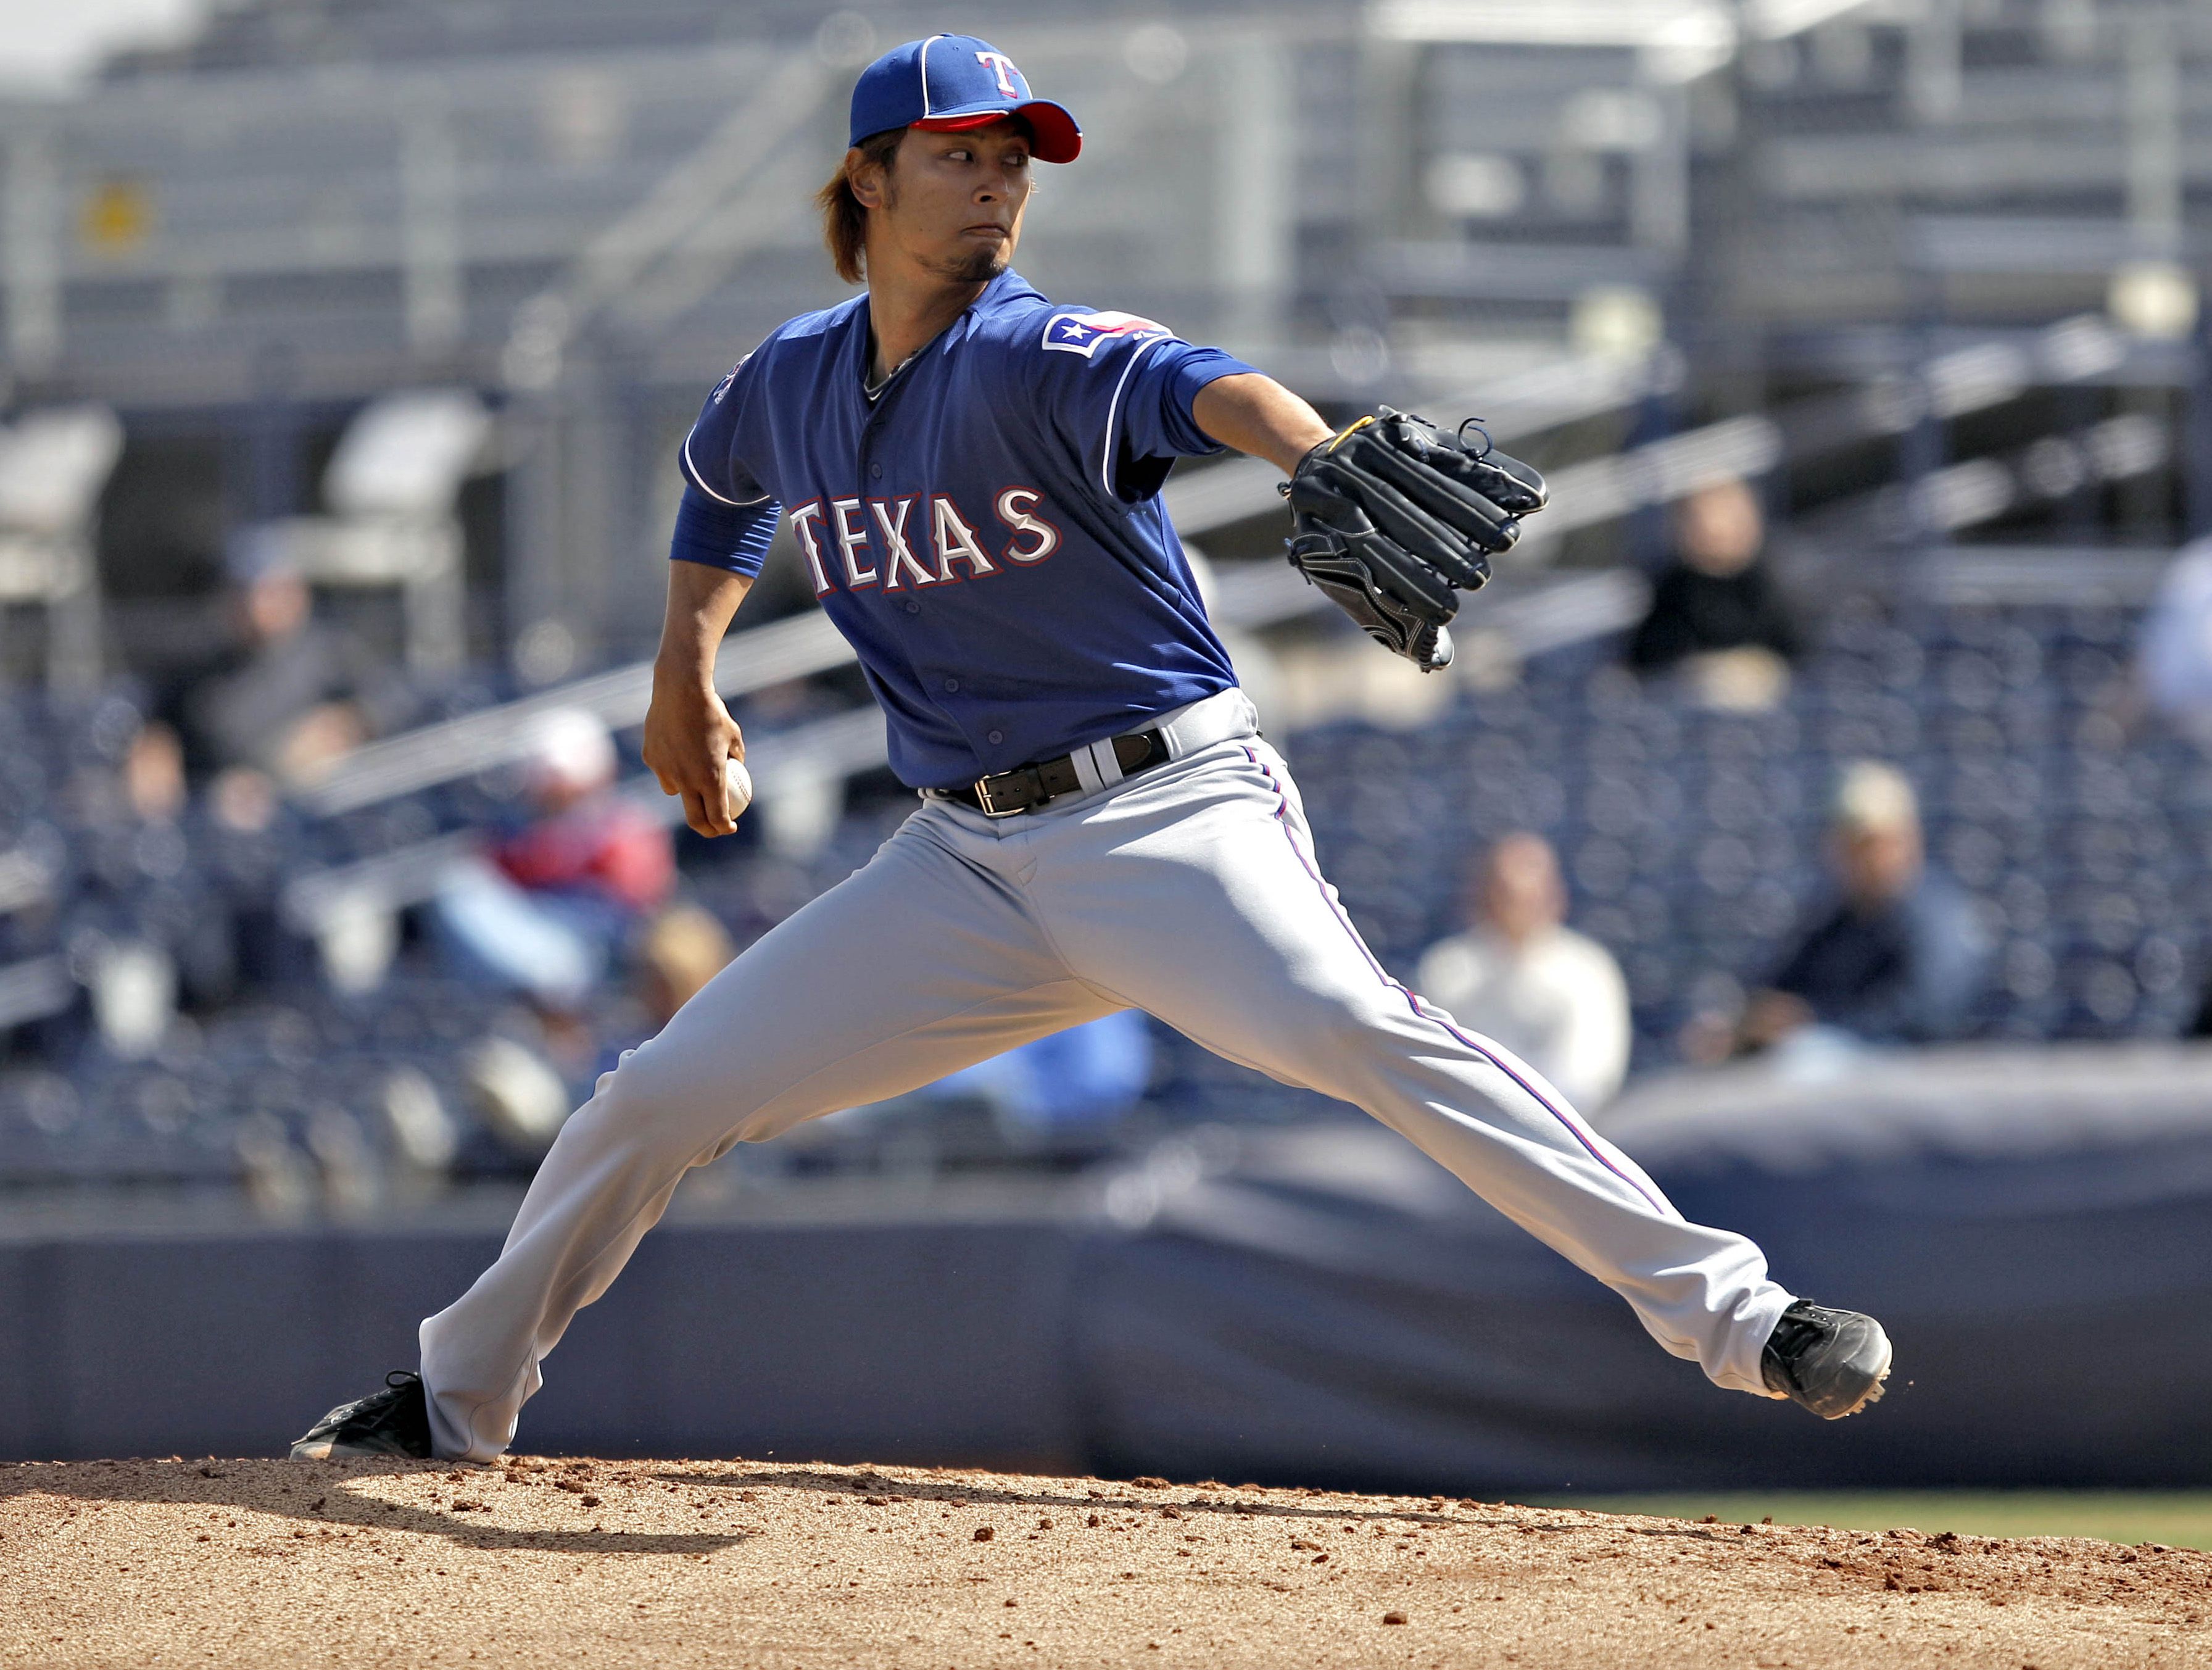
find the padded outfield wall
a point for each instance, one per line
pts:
(1320, 1305)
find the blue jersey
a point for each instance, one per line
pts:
(986, 530)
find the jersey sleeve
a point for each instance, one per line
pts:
(728, 514)
(732, 538)
(1119, 390)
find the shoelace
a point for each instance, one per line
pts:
(1795, 1331)
(377, 1411)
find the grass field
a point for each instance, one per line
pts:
(2180, 1518)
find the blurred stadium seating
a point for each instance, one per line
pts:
(1928, 271)
(1691, 839)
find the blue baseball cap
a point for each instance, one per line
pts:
(951, 81)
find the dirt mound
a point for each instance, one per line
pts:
(758, 1564)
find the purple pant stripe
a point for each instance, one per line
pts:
(1413, 1002)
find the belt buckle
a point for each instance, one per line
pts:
(987, 803)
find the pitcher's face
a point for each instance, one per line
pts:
(951, 204)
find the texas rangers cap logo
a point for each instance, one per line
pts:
(949, 82)
(1084, 332)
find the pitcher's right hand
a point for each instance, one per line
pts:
(689, 734)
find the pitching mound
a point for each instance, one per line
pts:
(757, 1563)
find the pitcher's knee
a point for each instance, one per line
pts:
(647, 1102)
(667, 1097)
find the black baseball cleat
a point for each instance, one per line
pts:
(393, 1422)
(1833, 1361)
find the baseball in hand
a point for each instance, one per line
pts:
(738, 785)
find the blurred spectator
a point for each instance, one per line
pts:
(1895, 958)
(153, 774)
(548, 908)
(1519, 975)
(148, 928)
(1717, 615)
(137, 780)
(683, 949)
(291, 695)
(2175, 657)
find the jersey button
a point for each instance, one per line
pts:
(913, 607)
(877, 471)
(994, 737)
(952, 686)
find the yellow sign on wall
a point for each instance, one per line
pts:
(116, 219)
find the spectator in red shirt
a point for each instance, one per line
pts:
(546, 911)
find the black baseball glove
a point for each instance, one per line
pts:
(1394, 518)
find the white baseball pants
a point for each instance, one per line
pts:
(1191, 891)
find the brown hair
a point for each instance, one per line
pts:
(844, 218)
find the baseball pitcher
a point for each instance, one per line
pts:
(972, 473)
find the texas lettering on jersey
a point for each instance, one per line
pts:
(916, 540)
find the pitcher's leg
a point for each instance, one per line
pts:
(1217, 921)
(916, 966)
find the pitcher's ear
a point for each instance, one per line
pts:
(864, 178)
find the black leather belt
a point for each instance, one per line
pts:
(1027, 787)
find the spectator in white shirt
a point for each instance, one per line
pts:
(2175, 659)
(1553, 996)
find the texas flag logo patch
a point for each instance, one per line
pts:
(1083, 332)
